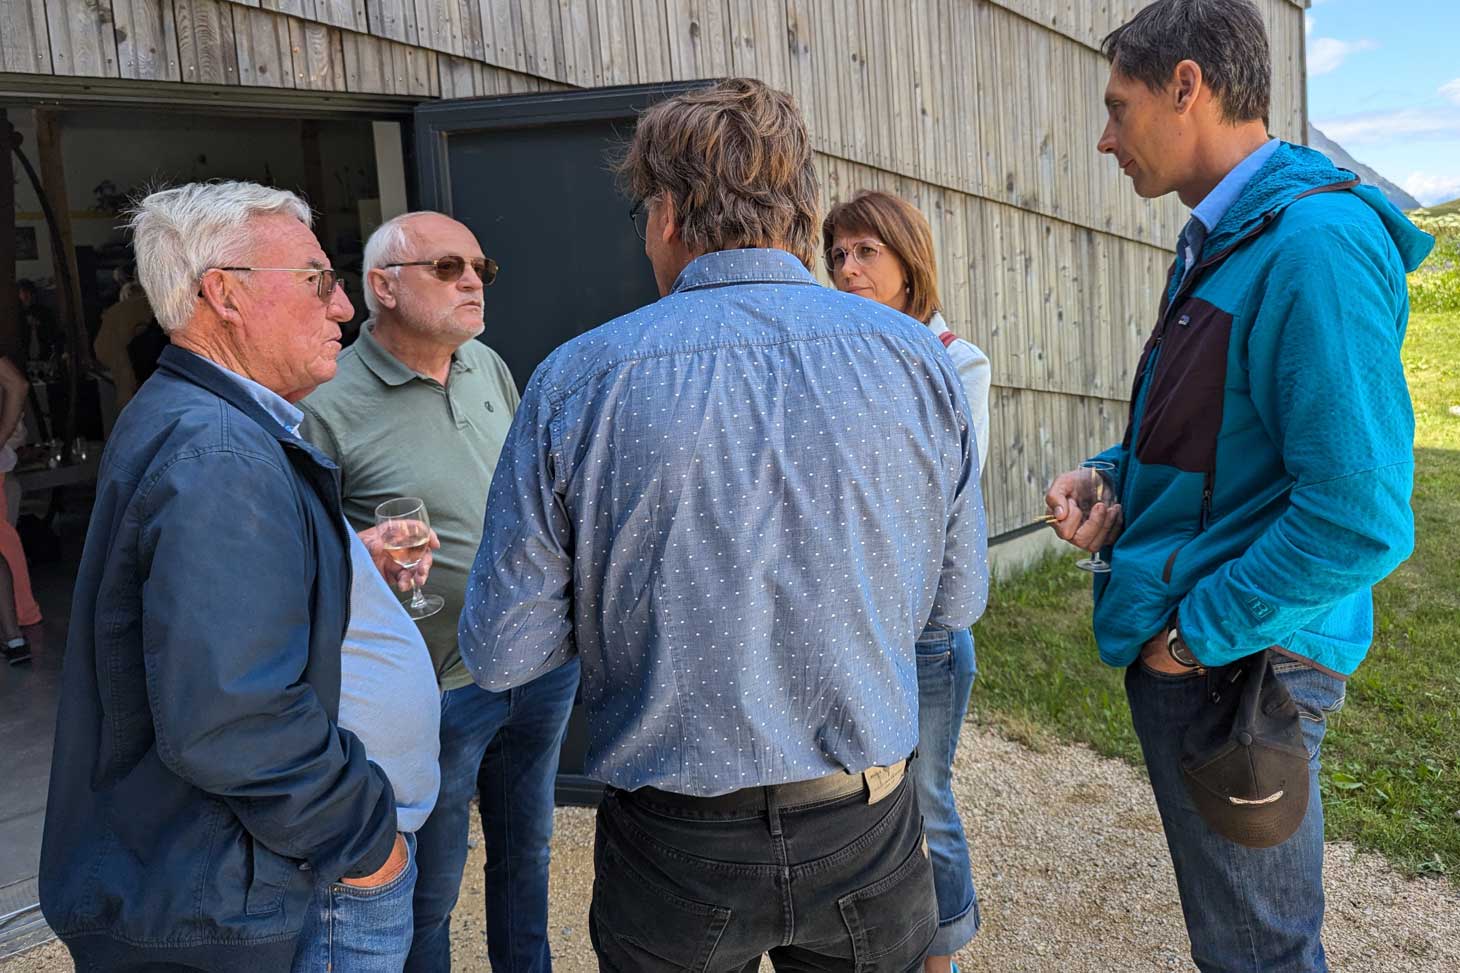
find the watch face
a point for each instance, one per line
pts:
(1181, 653)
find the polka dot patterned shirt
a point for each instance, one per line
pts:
(738, 506)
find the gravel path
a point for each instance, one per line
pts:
(1072, 875)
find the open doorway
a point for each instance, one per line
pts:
(530, 174)
(82, 335)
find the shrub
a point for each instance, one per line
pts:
(1435, 286)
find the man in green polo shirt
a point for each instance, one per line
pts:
(419, 409)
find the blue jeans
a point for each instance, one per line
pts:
(350, 930)
(1247, 909)
(503, 746)
(946, 668)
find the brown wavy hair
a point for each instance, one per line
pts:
(904, 229)
(737, 160)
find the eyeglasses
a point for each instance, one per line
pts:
(326, 278)
(449, 269)
(639, 216)
(864, 253)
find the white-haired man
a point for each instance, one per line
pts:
(233, 651)
(420, 409)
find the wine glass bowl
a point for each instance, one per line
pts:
(1099, 493)
(405, 532)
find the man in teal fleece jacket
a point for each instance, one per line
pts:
(1263, 484)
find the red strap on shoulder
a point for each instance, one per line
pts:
(947, 337)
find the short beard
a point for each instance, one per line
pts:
(449, 326)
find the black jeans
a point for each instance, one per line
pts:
(839, 885)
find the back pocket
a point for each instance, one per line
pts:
(639, 925)
(1182, 414)
(893, 920)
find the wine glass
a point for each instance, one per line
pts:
(1098, 470)
(405, 530)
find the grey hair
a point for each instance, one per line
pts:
(1226, 37)
(179, 234)
(388, 244)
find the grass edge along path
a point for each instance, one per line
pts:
(1391, 759)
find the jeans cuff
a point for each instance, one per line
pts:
(953, 934)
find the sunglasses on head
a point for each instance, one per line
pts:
(449, 269)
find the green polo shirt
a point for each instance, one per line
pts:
(397, 433)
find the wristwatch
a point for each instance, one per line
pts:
(1179, 651)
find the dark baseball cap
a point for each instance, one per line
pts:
(1243, 757)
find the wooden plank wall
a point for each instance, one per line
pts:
(24, 42)
(1057, 307)
(983, 112)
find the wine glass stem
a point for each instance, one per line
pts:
(418, 597)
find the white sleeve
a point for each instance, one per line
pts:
(977, 375)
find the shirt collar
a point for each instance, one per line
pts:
(752, 266)
(388, 368)
(1209, 211)
(270, 401)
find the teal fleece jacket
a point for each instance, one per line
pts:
(1266, 469)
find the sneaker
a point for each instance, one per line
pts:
(17, 652)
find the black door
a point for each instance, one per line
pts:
(531, 175)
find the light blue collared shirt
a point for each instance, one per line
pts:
(739, 506)
(1209, 212)
(272, 402)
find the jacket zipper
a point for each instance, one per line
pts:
(1208, 482)
(1186, 287)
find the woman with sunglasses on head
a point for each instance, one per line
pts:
(880, 247)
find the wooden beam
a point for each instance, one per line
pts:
(9, 304)
(51, 163)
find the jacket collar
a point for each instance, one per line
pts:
(194, 368)
(1290, 173)
(751, 266)
(1209, 211)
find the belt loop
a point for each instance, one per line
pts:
(773, 811)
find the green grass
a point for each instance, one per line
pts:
(1435, 286)
(1391, 776)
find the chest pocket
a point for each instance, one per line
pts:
(1183, 406)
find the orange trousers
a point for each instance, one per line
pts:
(27, 612)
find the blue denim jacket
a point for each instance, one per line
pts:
(200, 787)
(739, 505)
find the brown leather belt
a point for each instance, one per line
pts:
(875, 782)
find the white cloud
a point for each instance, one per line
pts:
(1430, 189)
(1451, 91)
(1327, 54)
(1369, 128)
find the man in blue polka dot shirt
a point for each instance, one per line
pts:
(738, 507)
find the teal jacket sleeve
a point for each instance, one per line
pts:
(1328, 386)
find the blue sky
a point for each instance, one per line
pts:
(1384, 82)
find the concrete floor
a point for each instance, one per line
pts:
(28, 695)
